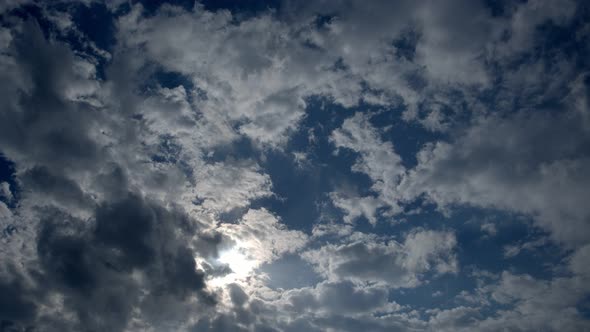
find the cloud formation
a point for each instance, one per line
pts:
(405, 166)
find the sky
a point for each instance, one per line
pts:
(329, 165)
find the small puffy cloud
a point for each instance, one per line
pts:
(489, 228)
(5, 191)
(355, 207)
(431, 250)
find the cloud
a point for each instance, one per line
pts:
(368, 259)
(258, 88)
(356, 207)
(263, 237)
(489, 229)
(537, 303)
(223, 187)
(577, 261)
(514, 165)
(453, 319)
(377, 159)
(527, 17)
(84, 249)
(244, 88)
(341, 297)
(130, 256)
(34, 128)
(5, 191)
(513, 250)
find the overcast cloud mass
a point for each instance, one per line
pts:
(330, 165)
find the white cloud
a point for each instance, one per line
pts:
(369, 259)
(263, 237)
(538, 304)
(341, 297)
(527, 16)
(5, 191)
(489, 228)
(224, 187)
(377, 159)
(453, 319)
(513, 165)
(515, 249)
(355, 206)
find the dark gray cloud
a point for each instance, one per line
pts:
(109, 269)
(40, 181)
(106, 255)
(17, 308)
(40, 119)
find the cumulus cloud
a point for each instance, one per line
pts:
(513, 165)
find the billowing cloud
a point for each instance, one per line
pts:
(514, 165)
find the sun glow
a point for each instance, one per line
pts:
(239, 263)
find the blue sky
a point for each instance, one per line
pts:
(294, 166)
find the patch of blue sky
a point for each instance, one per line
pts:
(440, 292)
(408, 138)
(96, 21)
(171, 80)
(300, 189)
(477, 251)
(487, 252)
(290, 271)
(7, 174)
(584, 307)
(168, 150)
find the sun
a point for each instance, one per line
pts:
(239, 263)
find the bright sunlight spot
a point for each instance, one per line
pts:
(238, 262)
